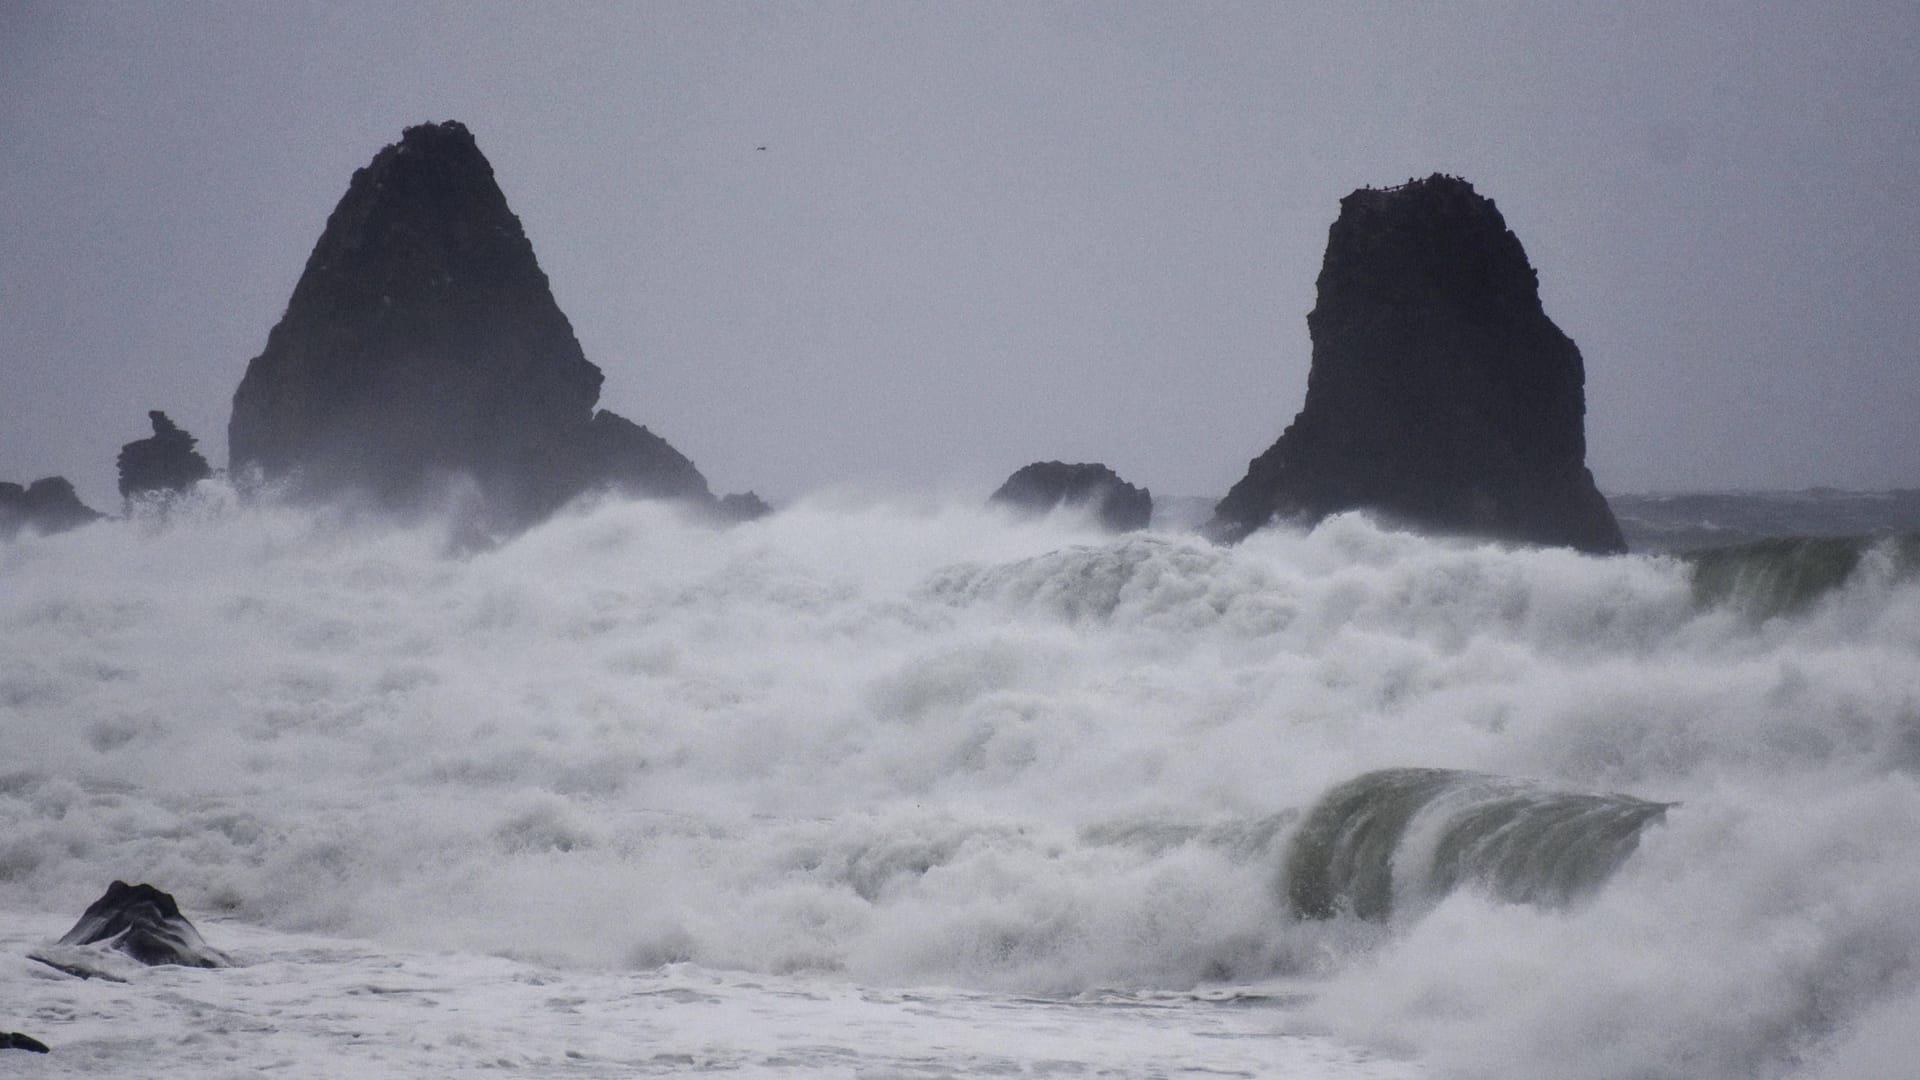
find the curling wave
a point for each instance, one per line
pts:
(1396, 837)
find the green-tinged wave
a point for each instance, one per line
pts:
(1785, 575)
(1383, 840)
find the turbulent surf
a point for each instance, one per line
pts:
(1399, 805)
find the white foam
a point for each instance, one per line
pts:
(316, 1007)
(910, 746)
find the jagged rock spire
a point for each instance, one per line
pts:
(163, 462)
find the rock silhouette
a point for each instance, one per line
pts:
(1044, 486)
(623, 455)
(162, 463)
(743, 506)
(146, 924)
(48, 505)
(1440, 394)
(422, 342)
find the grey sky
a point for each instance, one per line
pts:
(983, 235)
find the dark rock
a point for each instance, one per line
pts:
(1440, 394)
(743, 506)
(146, 924)
(48, 505)
(13, 1040)
(1047, 485)
(423, 342)
(626, 457)
(164, 463)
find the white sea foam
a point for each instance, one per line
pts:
(896, 746)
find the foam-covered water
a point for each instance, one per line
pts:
(886, 747)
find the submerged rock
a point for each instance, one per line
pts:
(1045, 486)
(423, 342)
(48, 505)
(165, 462)
(1440, 394)
(142, 922)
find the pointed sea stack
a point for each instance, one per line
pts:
(423, 342)
(1440, 395)
(162, 463)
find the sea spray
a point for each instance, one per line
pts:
(1745, 937)
(921, 745)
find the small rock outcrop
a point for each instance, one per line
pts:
(142, 922)
(165, 462)
(743, 506)
(1440, 395)
(1045, 486)
(13, 1040)
(422, 342)
(48, 505)
(619, 454)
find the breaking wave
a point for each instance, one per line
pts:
(1400, 837)
(923, 744)
(1784, 575)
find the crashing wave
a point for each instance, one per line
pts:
(1399, 838)
(1785, 575)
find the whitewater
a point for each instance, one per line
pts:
(885, 788)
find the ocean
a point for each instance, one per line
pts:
(877, 788)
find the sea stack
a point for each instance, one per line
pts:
(1440, 395)
(1045, 486)
(422, 343)
(162, 463)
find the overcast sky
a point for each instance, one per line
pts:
(983, 235)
